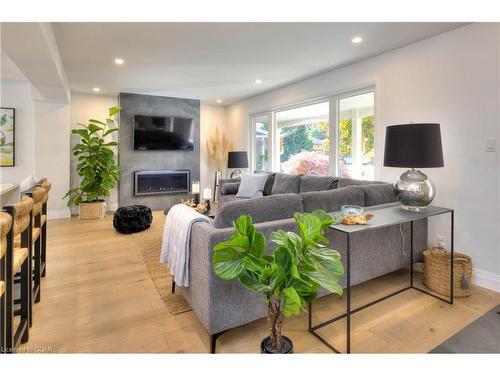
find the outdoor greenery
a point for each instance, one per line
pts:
(291, 276)
(294, 140)
(96, 162)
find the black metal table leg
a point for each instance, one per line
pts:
(411, 253)
(452, 245)
(348, 295)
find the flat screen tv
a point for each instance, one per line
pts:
(163, 133)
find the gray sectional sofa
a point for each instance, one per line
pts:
(221, 305)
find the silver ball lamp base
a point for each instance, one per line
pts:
(414, 190)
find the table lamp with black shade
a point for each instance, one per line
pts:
(414, 146)
(237, 159)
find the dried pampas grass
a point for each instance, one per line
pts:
(218, 147)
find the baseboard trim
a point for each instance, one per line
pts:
(59, 214)
(486, 279)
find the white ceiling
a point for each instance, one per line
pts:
(212, 61)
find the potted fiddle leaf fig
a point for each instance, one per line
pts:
(289, 278)
(96, 165)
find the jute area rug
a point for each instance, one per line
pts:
(149, 242)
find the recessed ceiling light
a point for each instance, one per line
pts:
(119, 61)
(357, 40)
(258, 81)
(219, 101)
(96, 89)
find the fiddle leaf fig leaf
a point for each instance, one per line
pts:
(292, 302)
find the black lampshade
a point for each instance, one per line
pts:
(237, 159)
(413, 146)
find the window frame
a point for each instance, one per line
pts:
(372, 85)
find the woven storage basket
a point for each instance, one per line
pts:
(92, 210)
(437, 272)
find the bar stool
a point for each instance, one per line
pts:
(43, 221)
(39, 196)
(19, 260)
(5, 225)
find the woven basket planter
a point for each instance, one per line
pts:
(92, 210)
(437, 272)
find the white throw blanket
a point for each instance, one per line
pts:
(175, 247)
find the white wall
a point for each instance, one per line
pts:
(83, 108)
(52, 152)
(452, 79)
(17, 94)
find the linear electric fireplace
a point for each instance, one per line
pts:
(164, 181)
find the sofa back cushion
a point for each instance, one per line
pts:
(271, 208)
(344, 182)
(333, 200)
(286, 183)
(317, 183)
(378, 194)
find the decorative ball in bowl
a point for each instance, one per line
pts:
(351, 210)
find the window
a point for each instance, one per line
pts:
(304, 141)
(261, 128)
(335, 136)
(356, 136)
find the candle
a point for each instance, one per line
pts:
(195, 187)
(207, 193)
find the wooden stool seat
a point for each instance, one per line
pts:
(2, 288)
(20, 255)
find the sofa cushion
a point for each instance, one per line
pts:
(317, 183)
(268, 187)
(252, 185)
(286, 183)
(344, 182)
(271, 208)
(333, 200)
(378, 194)
(229, 188)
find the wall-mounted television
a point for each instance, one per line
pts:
(163, 133)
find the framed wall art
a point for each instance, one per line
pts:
(7, 137)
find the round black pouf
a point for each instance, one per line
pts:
(132, 219)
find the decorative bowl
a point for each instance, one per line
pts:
(352, 210)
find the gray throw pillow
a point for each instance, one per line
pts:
(251, 185)
(286, 183)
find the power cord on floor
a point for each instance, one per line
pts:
(402, 239)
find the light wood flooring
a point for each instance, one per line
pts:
(97, 297)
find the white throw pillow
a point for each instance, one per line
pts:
(252, 185)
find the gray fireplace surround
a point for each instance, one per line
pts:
(131, 161)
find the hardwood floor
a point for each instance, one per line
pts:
(97, 297)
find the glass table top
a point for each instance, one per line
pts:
(390, 215)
